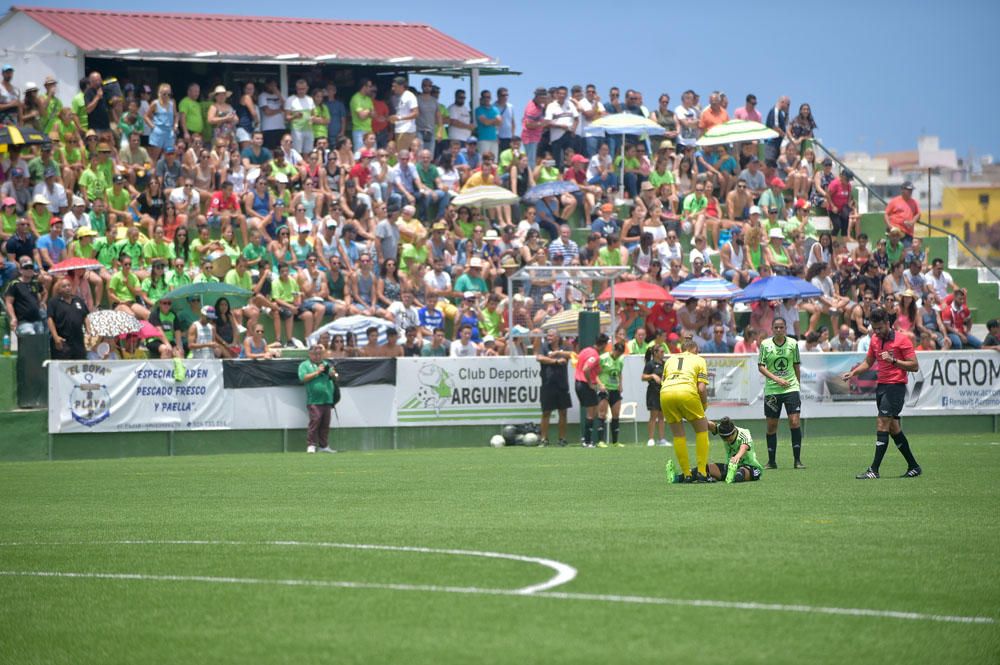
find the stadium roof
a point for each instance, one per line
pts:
(232, 38)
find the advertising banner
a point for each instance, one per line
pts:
(466, 391)
(116, 396)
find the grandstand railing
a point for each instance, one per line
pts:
(921, 222)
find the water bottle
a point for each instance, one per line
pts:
(6, 344)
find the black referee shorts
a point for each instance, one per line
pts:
(586, 394)
(889, 398)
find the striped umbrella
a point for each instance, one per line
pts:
(485, 196)
(357, 324)
(624, 123)
(736, 131)
(567, 323)
(705, 288)
(112, 323)
(14, 135)
(76, 263)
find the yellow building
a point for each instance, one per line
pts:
(972, 212)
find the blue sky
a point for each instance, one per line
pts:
(877, 74)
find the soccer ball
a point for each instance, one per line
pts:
(509, 433)
(498, 441)
(530, 439)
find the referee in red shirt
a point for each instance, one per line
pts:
(588, 367)
(893, 356)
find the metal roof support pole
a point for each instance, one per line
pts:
(283, 80)
(474, 89)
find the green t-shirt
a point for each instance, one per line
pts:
(429, 175)
(157, 291)
(118, 200)
(320, 389)
(51, 114)
(205, 278)
(158, 250)
(133, 250)
(743, 438)
(611, 371)
(360, 102)
(286, 291)
(245, 282)
(636, 349)
(630, 163)
(122, 288)
(107, 251)
(657, 180)
(609, 257)
(41, 218)
(465, 282)
(780, 361)
(894, 254)
(94, 182)
(412, 254)
(177, 279)
(8, 223)
(79, 107)
(771, 200)
(490, 323)
(99, 221)
(547, 174)
(693, 204)
(197, 254)
(255, 254)
(193, 116)
(792, 225)
(321, 130)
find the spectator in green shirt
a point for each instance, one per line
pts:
(192, 116)
(319, 377)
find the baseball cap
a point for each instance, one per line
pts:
(827, 162)
(489, 339)
(17, 173)
(607, 207)
(580, 159)
(475, 262)
(8, 201)
(78, 201)
(492, 234)
(907, 185)
(26, 262)
(367, 153)
(801, 203)
(209, 312)
(170, 150)
(8, 68)
(548, 297)
(472, 139)
(331, 223)
(776, 233)
(469, 295)
(777, 182)
(755, 210)
(773, 209)
(305, 228)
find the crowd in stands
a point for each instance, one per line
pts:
(325, 207)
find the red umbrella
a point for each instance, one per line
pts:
(146, 331)
(76, 263)
(638, 290)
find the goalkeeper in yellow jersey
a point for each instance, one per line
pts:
(684, 396)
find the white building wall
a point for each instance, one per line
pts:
(35, 52)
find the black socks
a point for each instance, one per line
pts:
(772, 447)
(796, 442)
(903, 446)
(881, 444)
(614, 430)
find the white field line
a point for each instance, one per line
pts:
(564, 573)
(556, 595)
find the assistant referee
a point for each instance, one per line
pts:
(893, 356)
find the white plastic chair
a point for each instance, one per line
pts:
(627, 413)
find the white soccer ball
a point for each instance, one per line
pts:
(530, 439)
(498, 441)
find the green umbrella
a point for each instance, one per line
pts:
(736, 131)
(14, 135)
(208, 292)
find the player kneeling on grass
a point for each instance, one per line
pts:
(742, 465)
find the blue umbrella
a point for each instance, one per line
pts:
(778, 288)
(555, 188)
(705, 288)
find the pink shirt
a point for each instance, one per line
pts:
(742, 114)
(534, 113)
(743, 347)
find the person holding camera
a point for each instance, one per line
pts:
(320, 378)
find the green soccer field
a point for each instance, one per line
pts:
(256, 558)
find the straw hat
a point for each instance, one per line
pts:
(221, 90)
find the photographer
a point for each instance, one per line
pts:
(319, 377)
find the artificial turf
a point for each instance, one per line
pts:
(814, 537)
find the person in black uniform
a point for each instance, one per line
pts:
(652, 373)
(66, 315)
(555, 383)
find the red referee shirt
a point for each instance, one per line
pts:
(588, 354)
(900, 347)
